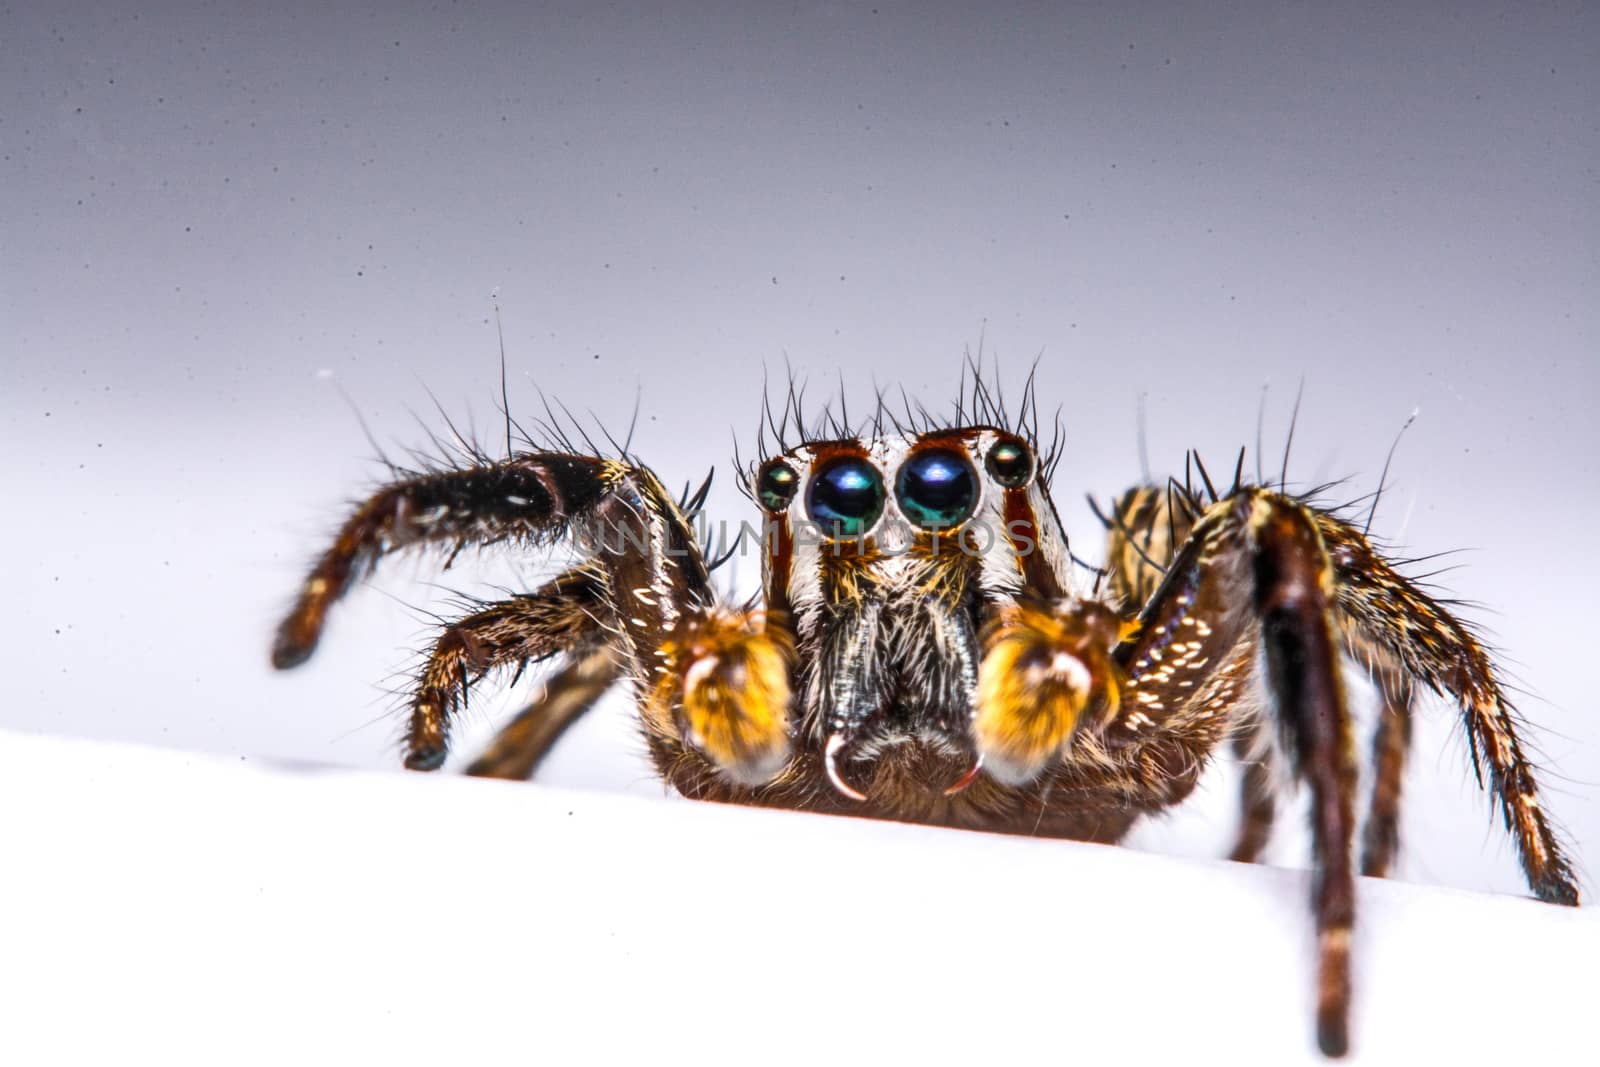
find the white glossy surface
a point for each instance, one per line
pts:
(172, 907)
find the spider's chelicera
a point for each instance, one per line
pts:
(924, 653)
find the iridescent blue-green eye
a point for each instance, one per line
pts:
(776, 485)
(937, 489)
(845, 497)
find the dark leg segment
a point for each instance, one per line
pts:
(533, 497)
(1317, 585)
(1391, 743)
(1293, 590)
(1258, 807)
(518, 749)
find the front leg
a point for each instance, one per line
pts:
(1252, 587)
(1293, 596)
(1252, 584)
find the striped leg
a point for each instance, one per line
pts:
(1438, 651)
(1143, 531)
(561, 616)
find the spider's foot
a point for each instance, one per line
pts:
(427, 744)
(1557, 890)
(292, 646)
(1333, 1036)
(1039, 675)
(425, 760)
(297, 635)
(735, 698)
(1333, 992)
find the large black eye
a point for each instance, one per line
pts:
(846, 497)
(1010, 462)
(937, 489)
(776, 484)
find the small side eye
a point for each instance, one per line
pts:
(1010, 462)
(845, 497)
(937, 489)
(776, 485)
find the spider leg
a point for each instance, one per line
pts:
(707, 679)
(533, 496)
(1391, 742)
(1250, 589)
(1293, 597)
(558, 617)
(522, 744)
(1438, 651)
(1257, 799)
(1144, 529)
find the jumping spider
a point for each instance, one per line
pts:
(923, 652)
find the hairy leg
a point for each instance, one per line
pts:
(645, 583)
(1437, 650)
(562, 615)
(530, 497)
(1143, 531)
(1251, 588)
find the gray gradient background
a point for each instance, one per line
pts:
(216, 215)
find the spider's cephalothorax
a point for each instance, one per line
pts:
(924, 654)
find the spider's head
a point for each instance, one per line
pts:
(882, 550)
